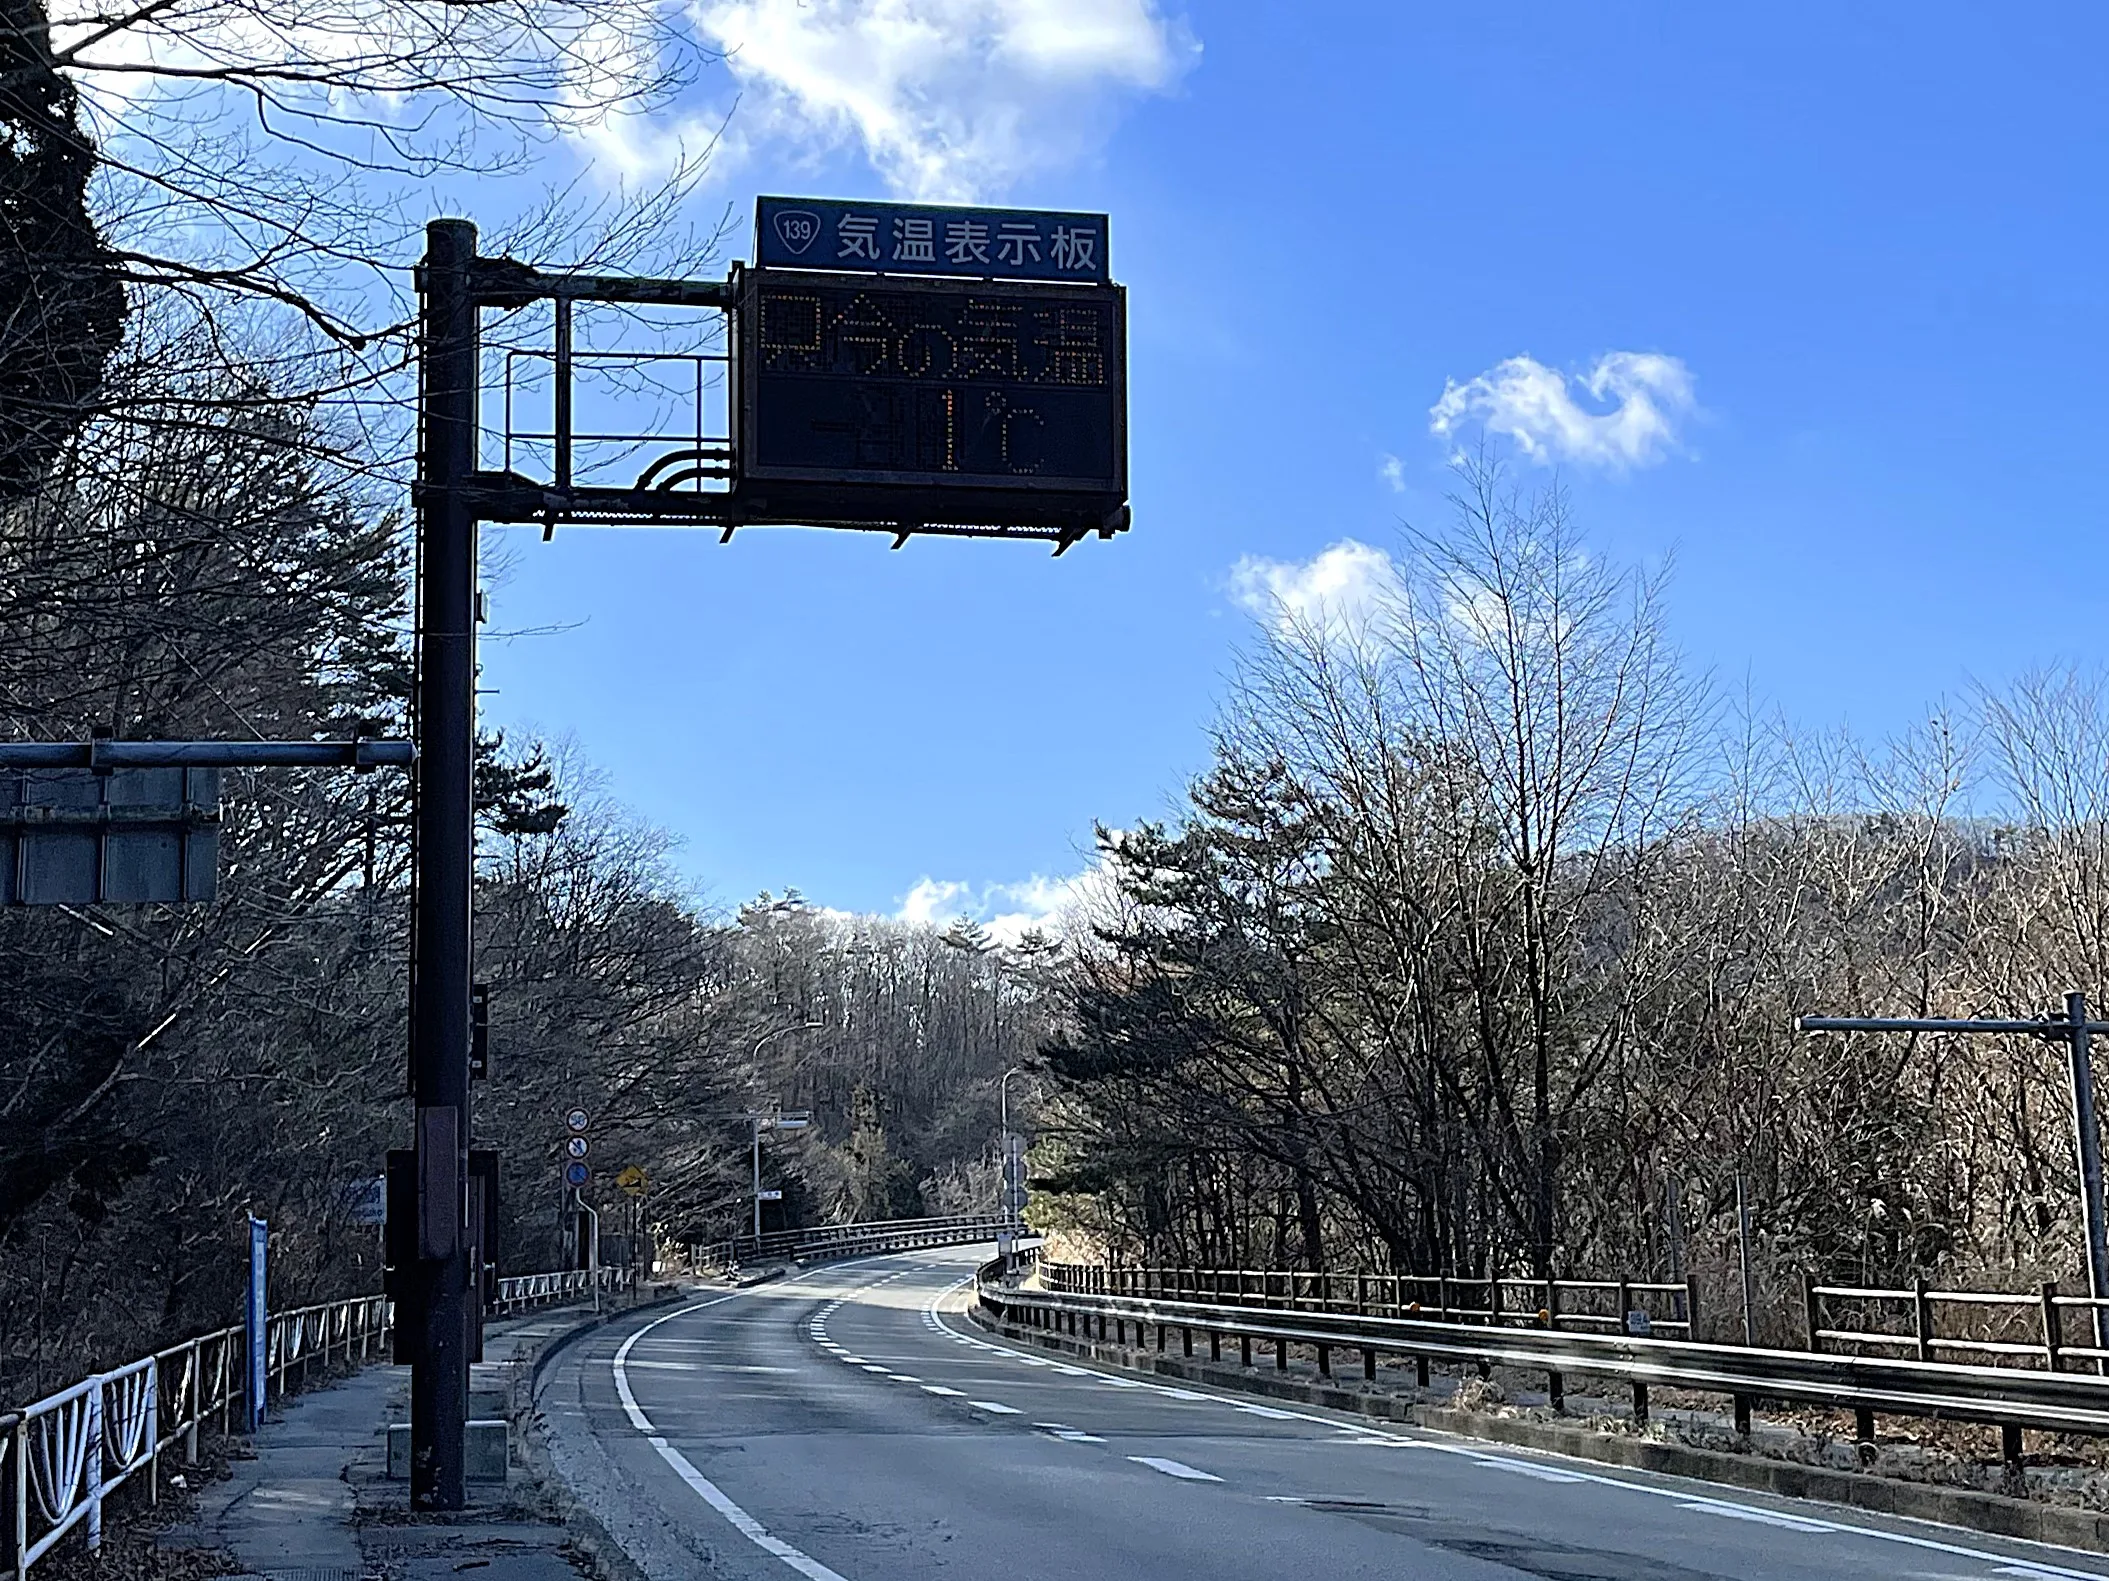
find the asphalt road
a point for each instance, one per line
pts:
(852, 1425)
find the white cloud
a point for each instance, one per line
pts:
(931, 901)
(1640, 397)
(1340, 590)
(1393, 471)
(1007, 911)
(949, 99)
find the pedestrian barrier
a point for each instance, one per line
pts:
(525, 1292)
(63, 1457)
(2016, 1328)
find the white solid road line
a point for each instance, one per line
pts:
(1175, 1468)
(706, 1490)
(2003, 1564)
(746, 1525)
(621, 1365)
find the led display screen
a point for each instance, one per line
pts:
(936, 383)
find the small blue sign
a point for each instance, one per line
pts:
(366, 1201)
(930, 239)
(577, 1174)
(259, 1357)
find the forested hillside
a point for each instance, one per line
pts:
(215, 571)
(1478, 945)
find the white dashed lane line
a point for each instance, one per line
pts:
(816, 1327)
(1175, 1468)
(1547, 1474)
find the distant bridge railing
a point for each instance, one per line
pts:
(1105, 1304)
(851, 1240)
(63, 1457)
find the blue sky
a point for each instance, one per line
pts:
(1810, 296)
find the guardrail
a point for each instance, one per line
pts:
(64, 1457)
(847, 1240)
(2010, 1398)
(1613, 1305)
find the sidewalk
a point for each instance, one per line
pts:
(315, 1503)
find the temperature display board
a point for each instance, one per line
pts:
(934, 384)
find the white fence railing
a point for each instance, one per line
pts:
(538, 1290)
(63, 1457)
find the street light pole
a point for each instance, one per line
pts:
(754, 1120)
(1003, 1110)
(2075, 1031)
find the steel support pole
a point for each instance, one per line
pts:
(1673, 1214)
(756, 1121)
(2089, 1137)
(1743, 1255)
(445, 835)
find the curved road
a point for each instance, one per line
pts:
(851, 1425)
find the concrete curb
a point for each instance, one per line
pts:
(601, 1552)
(1992, 1513)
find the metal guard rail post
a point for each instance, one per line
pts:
(2008, 1397)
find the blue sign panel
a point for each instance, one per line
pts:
(930, 239)
(577, 1174)
(255, 1320)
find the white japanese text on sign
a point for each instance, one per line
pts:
(1021, 244)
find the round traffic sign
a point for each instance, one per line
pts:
(576, 1147)
(576, 1119)
(577, 1174)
